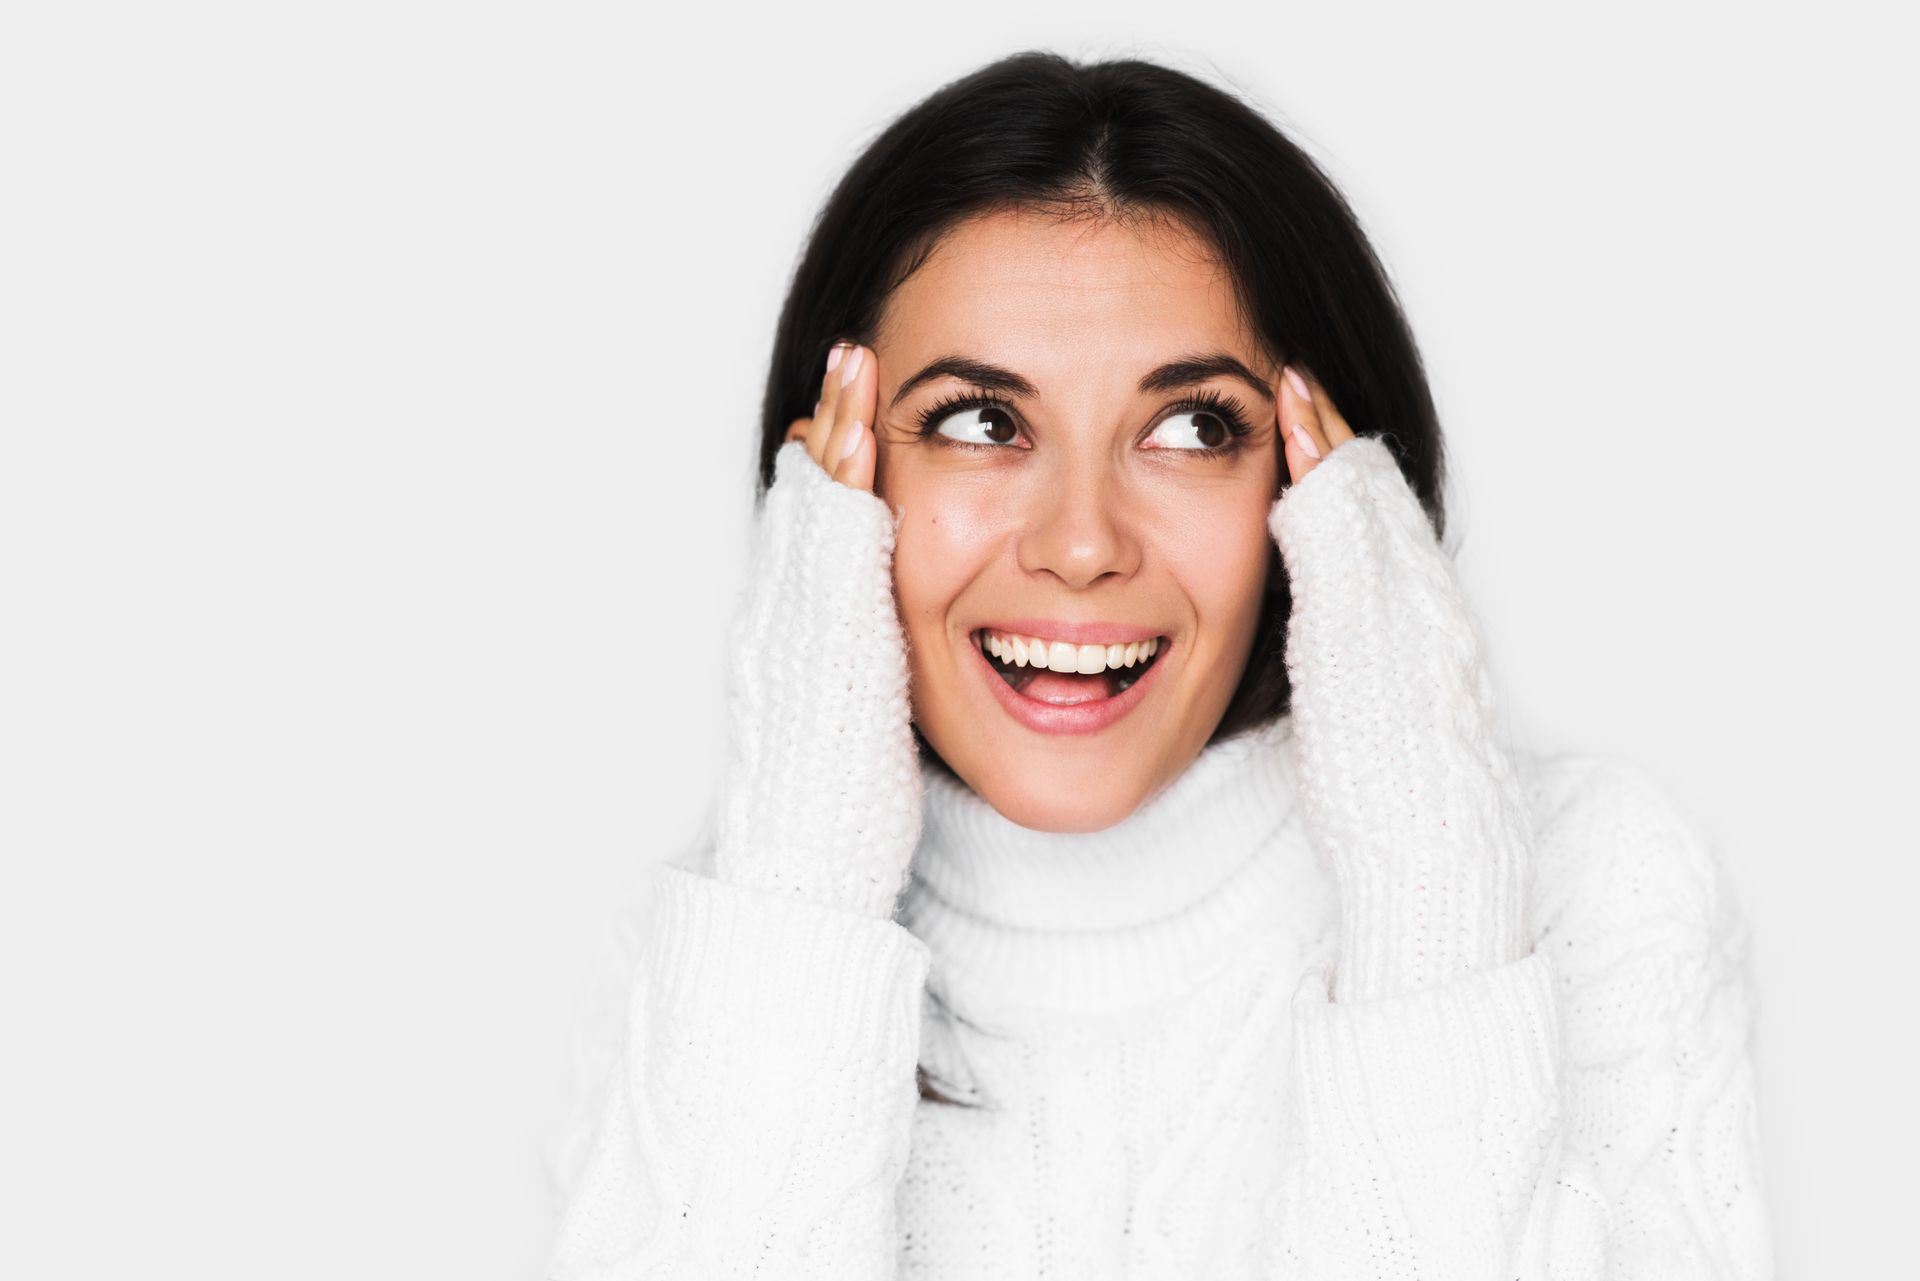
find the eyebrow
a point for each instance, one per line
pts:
(1185, 372)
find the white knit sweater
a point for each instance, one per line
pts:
(1354, 996)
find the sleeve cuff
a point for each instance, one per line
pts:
(1349, 501)
(1427, 1059)
(796, 473)
(802, 973)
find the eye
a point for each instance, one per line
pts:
(971, 423)
(1201, 429)
(1206, 423)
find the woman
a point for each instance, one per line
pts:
(1118, 870)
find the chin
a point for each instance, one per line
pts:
(1057, 802)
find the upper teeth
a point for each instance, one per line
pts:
(1059, 656)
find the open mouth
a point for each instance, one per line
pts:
(1032, 671)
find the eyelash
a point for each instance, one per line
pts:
(1226, 408)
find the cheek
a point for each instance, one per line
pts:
(938, 551)
(1220, 557)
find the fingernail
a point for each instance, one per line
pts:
(1299, 386)
(1304, 441)
(852, 442)
(853, 366)
(816, 409)
(833, 357)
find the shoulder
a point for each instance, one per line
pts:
(1624, 873)
(1605, 826)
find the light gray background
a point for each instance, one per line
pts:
(379, 382)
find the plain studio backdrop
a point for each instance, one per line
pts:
(379, 385)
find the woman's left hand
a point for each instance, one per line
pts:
(1403, 781)
(1309, 424)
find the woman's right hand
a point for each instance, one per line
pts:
(824, 794)
(839, 436)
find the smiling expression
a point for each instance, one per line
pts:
(1060, 428)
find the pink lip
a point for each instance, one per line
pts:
(1079, 718)
(1075, 633)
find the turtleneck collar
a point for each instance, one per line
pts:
(1097, 921)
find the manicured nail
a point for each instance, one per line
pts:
(853, 366)
(1299, 386)
(816, 409)
(833, 357)
(1304, 441)
(852, 442)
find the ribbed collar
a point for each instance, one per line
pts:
(1098, 921)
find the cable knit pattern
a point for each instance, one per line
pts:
(823, 797)
(756, 1125)
(1143, 1016)
(1407, 790)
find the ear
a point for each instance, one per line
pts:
(797, 429)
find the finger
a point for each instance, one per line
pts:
(845, 403)
(822, 420)
(829, 399)
(855, 468)
(1297, 462)
(854, 412)
(1334, 428)
(1300, 422)
(797, 430)
(1305, 408)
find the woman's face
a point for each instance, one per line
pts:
(1082, 506)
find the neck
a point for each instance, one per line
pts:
(1102, 920)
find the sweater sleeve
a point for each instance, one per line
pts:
(1426, 1062)
(1585, 1112)
(758, 1120)
(1494, 1079)
(1662, 1159)
(1406, 785)
(823, 794)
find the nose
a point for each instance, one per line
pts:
(1079, 531)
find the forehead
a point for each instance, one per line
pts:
(1034, 292)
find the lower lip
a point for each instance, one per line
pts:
(1089, 717)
